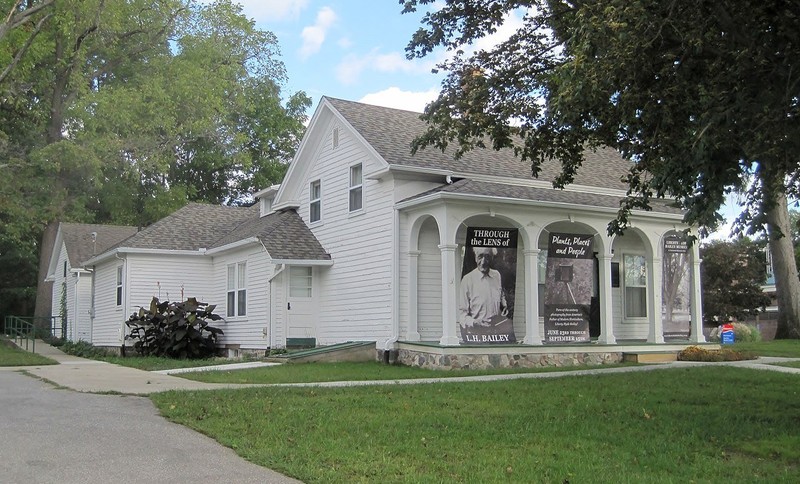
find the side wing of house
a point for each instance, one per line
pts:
(241, 290)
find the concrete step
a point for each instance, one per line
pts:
(650, 357)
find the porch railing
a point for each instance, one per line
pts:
(24, 330)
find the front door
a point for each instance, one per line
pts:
(300, 312)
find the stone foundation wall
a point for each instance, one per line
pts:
(483, 362)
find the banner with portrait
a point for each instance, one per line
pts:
(676, 299)
(487, 291)
(569, 285)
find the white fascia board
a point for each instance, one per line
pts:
(79, 270)
(504, 180)
(291, 204)
(51, 265)
(233, 245)
(302, 262)
(50, 278)
(522, 201)
(270, 190)
(133, 250)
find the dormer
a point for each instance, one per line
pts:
(265, 198)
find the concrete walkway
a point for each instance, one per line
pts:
(83, 375)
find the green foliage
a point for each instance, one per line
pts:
(744, 333)
(732, 274)
(175, 330)
(82, 349)
(122, 112)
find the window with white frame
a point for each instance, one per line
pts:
(119, 285)
(635, 271)
(237, 289)
(356, 185)
(300, 281)
(315, 203)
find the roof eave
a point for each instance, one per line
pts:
(522, 201)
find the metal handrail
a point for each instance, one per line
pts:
(21, 331)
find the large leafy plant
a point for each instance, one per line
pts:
(175, 329)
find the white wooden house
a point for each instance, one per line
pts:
(364, 241)
(72, 282)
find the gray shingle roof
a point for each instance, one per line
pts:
(81, 247)
(197, 226)
(284, 234)
(470, 187)
(391, 131)
(192, 227)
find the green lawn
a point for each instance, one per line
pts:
(704, 424)
(780, 347)
(323, 372)
(152, 363)
(789, 364)
(13, 356)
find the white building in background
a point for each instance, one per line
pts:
(364, 241)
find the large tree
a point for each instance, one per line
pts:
(703, 96)
(732, 275)
(121, 112)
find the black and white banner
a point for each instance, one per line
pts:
(568, 288)
(487, 292)
(676, 315)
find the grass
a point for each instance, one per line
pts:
(706, 424)
(13, 356)
(324, 372)
(152, 363)
(780, 347)
(789, 364)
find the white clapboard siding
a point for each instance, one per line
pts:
(82, 312)
(59, 286)
(252, 330)
(403, 275)
(168, 277)
(429, 286)
(355, 294)
(109, 318)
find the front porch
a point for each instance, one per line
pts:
(481, 357)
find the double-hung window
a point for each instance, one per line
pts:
(237, 289)
(635, 269)
(119, 285)
(356, 185)
(315, 204)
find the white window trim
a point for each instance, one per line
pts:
(350, 188)
(236, 290)
(312, 201)
(624, 286)
(119, 288)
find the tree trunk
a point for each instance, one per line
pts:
(44, 290)
(787, 284)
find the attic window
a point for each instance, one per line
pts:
(65, 268)
(335, 137)
(356, 194)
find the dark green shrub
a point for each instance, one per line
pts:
(82, 349)
(175, 330)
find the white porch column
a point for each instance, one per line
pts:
(532, 336)
(654, 280)
(413, 296)
(697, 335)
(606, 310)
(449, 298)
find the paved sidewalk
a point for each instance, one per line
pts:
(93, 376)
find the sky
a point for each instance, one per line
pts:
(355, 50)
